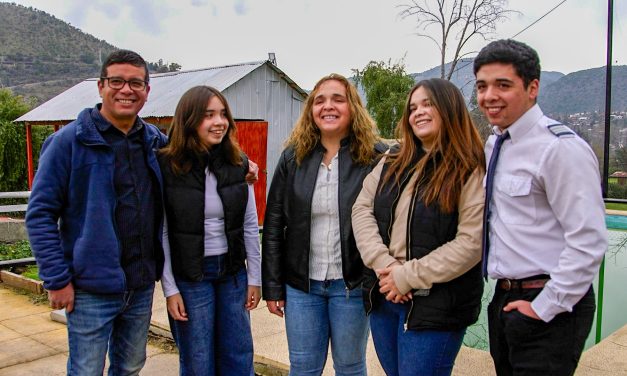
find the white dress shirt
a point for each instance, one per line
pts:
(325, 256)
(548, 215)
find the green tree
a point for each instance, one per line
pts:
(13, 164)
(386, 86)
(161, 67)
(478, 118)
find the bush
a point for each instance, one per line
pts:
(13, 251)
(614, 190)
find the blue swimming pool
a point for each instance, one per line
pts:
(616, 222)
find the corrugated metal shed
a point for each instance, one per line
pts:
(165, 91)
(257, 90)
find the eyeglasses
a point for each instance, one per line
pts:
(118, 83)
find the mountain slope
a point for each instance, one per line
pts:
(41, 55)
(584, 91)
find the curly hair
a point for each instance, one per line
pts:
(363, 130)
(456, 152)
(184, 146)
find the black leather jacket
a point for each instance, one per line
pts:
(287, 224)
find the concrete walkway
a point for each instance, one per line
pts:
(32, 344)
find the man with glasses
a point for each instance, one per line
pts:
(94, 221)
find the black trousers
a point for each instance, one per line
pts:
(521, 345)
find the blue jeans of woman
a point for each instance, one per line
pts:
(117, 322)
(411, 352)
(216, 339)
(328, 311)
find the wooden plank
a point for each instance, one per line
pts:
(18, 281)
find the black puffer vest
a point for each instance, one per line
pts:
(446, 306)
(185, 209)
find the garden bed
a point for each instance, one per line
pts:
(22, 282)
(21, 271)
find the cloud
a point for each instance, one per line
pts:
(199, 3)
(240, 7)
(148, 15)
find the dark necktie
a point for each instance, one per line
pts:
(489, 185)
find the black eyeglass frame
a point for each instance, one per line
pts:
(131, 82)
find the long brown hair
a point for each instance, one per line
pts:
(455, 154)
(363, 133)
(184, 146)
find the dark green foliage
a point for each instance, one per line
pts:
(13, 164)
(615, 190)
(160, 67)
(14, 251)
(386, 86)
(478, 118)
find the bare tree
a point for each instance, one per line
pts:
(457, 20)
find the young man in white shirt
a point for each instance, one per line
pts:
(544, 225)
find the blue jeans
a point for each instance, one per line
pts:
(117, 322)
(217, 339)
(327, 311)
(411, 352)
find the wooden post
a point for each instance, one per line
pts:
(29, 155)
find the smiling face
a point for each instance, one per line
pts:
(501, 94)
(215, 124)
(330, 110)
(424, 118)
(121, 106)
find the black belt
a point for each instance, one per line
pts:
(521, 284)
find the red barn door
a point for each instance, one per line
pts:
(253, 138)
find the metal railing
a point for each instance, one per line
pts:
(13, 208)
(17, 208)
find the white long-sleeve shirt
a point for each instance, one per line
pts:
(325, 257)
(548, 215)
(215, 238)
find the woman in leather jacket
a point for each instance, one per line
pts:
(212, 274)
(310, 265)
(418, 225)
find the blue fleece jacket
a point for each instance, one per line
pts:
(71, 212)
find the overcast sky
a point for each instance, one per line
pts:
(312, 38)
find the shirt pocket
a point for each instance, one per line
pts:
(516, 205)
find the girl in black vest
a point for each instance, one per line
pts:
(211, 230)
(417, 223)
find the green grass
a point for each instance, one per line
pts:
(12, 251)
(615, 206)
(32, 272)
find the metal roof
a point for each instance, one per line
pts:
(165, 91)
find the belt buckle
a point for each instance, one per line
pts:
(507, 284)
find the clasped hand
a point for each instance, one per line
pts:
(388, 286)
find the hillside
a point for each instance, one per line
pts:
(584, 91)
(464, 78)
(41, 55)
